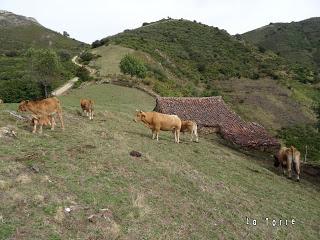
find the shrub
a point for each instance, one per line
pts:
(83, 74)
(86, 56)
(96, 44)
(133, 66)
(64, 55)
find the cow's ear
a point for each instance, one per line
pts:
(27, 101)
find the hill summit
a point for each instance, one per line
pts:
(298, 42)
(9, 19)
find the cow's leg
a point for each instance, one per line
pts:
(91, 114)
(297, 168)
(34, 128)
(157, 134)
(191, 135)
(196, 134)
(40, 128)
(61, 119)
(53, 123)
(153, 134)
(289, 167)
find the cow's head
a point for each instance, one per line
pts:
(23, 106)
(140, 116)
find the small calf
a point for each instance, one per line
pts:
(87, 107)
(191, 127)
(42, 120)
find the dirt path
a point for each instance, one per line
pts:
(59, 91)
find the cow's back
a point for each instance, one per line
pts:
(166, 122)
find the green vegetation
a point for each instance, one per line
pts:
(21, 38)
(133, 66)
(174, 191)
(33, 74)
(302, 136)
(298, 42)
(198, 53)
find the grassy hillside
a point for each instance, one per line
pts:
(198, 52)
(298, 42)
(187, 58)
(185, 191)
(18, 35)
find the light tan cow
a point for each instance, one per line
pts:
(158, 121)
(42, 120)
(288, 157)
(1, 101)
(87, 107)
(45, 107)
(191, 127)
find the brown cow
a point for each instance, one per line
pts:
(288, 157)
(87, 107)
(45, 107)
(42, 120)
(191, 127)
(158, 121)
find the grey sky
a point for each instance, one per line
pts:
(95, 19)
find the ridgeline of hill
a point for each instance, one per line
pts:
(18, 34)
(298, 42)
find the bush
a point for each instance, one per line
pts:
(96, 44)
(133, 66)
(64, 55)
(86, 56)
(83, 74)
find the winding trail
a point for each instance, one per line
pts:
(67, 86)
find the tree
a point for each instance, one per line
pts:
(66, 34)
(133, 66)
(45, 66)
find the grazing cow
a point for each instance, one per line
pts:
(45, 107)
(158, 121)
(1, 101)
(42, 120)
(191, 127)
(288, 157)
(87, 107)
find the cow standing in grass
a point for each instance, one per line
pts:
(158, 121)
(87, 107)
(191, 127)
(288, 157)
(45, 107)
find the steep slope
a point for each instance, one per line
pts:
(199, 52)
(298, 42)
(174, 191)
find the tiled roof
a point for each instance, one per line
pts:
(213, 112)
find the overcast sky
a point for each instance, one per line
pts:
(94, 19)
